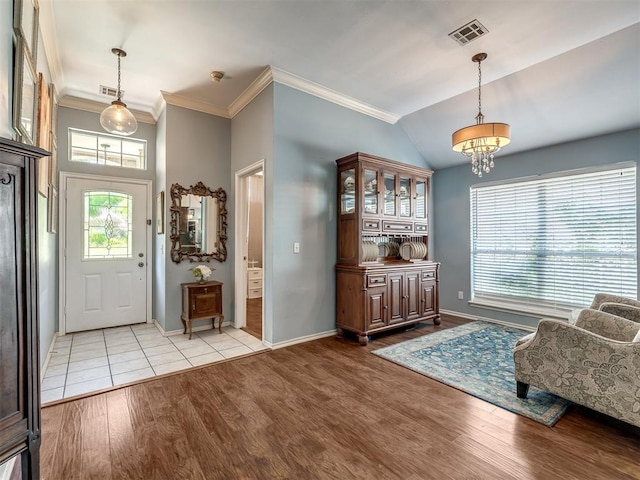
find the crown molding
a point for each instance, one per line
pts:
(158, 107)
(97, 107)
(251, 92)
(199, 106)
(46, 21)
(312, 88)
(274, 74)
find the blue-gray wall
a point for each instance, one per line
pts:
(73, 118)
(252, 141)
(47, 252)
(160, 242)
(309, 135)
(451, 206)
(197, 148)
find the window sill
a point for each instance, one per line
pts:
(521, 309)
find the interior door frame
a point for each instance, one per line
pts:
(62, 239)
(240, 232)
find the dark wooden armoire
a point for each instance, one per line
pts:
(19, 358)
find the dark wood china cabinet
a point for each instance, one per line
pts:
(19, 358)
(385, 277)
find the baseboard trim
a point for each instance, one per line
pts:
(303, 339)
(171, 333)
(45, 364)
(487, 319)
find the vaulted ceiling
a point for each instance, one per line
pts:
(556, 71)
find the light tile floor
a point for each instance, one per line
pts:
(88, 361)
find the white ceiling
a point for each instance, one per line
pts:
(556, 71)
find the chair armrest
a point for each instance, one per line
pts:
(601, 298)
(607, 325)
(621, 310)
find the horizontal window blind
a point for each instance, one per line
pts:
(555, 242)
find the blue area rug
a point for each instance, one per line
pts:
(476, 358)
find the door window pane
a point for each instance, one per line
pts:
(107, 229)
(370, 191)
(348, 191)
(107, 150)
(405, 197)
(421, 199)
(389, 194)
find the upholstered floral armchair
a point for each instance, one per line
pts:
(595, 363)
(628, 308)
(617, 305)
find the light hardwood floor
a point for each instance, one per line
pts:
(326, 409)
(254, 317)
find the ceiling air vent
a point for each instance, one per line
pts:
(110, 91)
(472, 30)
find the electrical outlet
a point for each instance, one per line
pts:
(460, 295)
(296, 247)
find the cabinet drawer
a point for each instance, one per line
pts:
(391, 226)
(254, 293)
(376, 280)
(193, 291)
(256, 283)
(420, 228)
(254, 273)
(371, 225)
(428, 274)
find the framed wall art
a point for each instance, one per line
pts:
(43, 136)
(25, 95)
(25, 24)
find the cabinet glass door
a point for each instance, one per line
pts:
(370, 191)
(389, 194)
(405, 197)
(348, 191)
(421, 199)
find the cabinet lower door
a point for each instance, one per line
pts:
(428, 298)
(413, 295)
(396, 297)
(376, 308)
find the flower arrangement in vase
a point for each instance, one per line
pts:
(201, 272)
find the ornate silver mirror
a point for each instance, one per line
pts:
(198, 223)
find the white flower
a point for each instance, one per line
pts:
(202, 271)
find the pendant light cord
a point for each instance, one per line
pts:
(479, 90)
(119, 94)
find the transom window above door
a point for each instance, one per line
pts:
(107, 150)
(107, 231)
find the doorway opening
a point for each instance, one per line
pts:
(250, 249)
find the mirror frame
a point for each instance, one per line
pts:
(177, 191)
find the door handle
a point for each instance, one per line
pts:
(141, 264)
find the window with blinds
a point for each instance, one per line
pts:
(551, 243)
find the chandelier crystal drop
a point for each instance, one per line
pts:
(116, 118)
(480, 142)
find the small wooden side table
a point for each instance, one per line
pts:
(200, 301)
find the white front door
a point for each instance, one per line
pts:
(106, 253)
